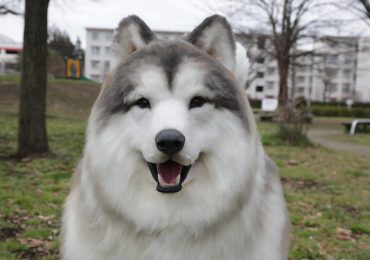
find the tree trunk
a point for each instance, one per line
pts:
(32, 135)
(283, 82)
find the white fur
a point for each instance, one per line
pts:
(241, 64)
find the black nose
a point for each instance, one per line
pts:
(170, 141)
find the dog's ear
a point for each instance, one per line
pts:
(132, 34)
(214, 36)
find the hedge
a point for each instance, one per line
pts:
(340, 111)
(339, 104)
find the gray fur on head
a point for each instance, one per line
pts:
(215, 37)
(132, 34)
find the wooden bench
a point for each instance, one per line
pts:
(351, 127)
(266, 116)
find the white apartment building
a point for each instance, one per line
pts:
(362, 89)
(339, 72)
(9, 50)
(98, 51)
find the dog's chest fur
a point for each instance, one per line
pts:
(255, 232)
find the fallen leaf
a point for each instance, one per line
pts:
(31, 242)
(293, 162)
(45, 218)
(343, 233)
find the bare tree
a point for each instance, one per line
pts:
(9, 7)
(326, 75)
(290, 23)
(362, 7)
(32, 134)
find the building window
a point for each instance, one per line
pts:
(348, 58)
(333, 87)
(333, 58)
(11, 51)
(106, 65)
(260, 60)
(107, 50)
(95, 77)
(260, 74)
(347, 74)
(300, 78)
(259, 88)
(269, 85)
(95, 35)
(300, 90)
(303, 68)
(261, 41)
(95, 50)
(95, 64)
(270, 70)
(331, 72)
(346, 88)
(108, 36)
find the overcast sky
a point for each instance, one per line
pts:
(75, 15)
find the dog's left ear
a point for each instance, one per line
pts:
(214, 36)
(132, 34)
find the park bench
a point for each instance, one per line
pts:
(360, 124)
(268, 109)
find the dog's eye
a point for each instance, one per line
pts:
(142, 103)
(197, 102)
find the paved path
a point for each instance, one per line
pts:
(318, 137)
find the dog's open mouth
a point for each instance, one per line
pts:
(169, 175)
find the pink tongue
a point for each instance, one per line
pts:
(169, 171)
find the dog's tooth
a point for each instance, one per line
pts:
(178, 179)
(162, 182)
(160, 179)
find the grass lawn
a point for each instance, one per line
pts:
(357, 139)
(327, 191)
(330, 123)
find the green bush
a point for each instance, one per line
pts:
(339, 111)
(255, 103)
(338, 104)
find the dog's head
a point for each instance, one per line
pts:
(172, 118)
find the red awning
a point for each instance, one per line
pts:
(11, 49)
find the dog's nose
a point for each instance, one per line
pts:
(170, 141)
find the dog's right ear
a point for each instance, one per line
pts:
(132, 34)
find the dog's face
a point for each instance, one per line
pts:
(171, 139)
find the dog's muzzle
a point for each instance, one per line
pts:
(169, 175)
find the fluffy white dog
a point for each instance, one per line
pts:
(173, 166)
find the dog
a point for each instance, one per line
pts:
(173, 166)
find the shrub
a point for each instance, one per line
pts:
(294, 119)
